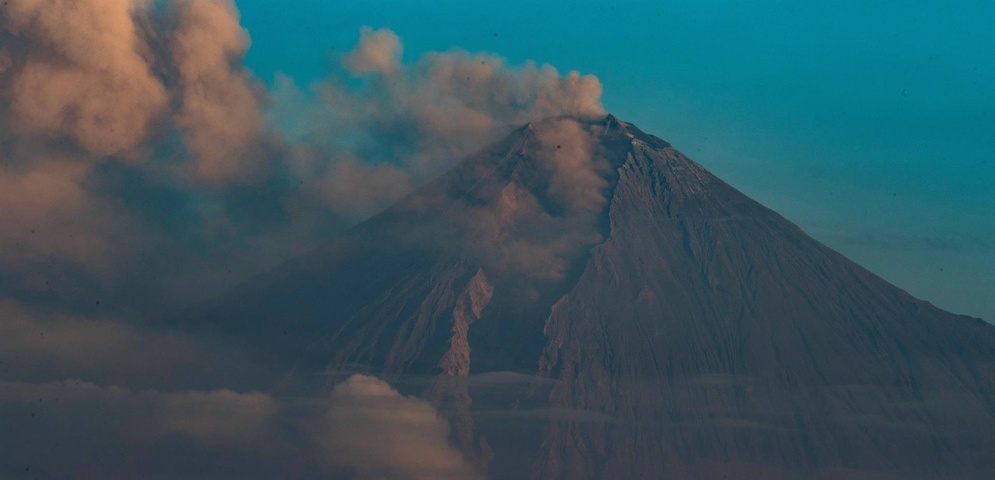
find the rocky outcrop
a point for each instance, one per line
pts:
(469, 306)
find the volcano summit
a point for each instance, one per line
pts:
(582, 301)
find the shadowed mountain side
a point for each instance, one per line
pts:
(682, 330)
(382, 295)
(724, 338)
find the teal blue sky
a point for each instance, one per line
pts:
(869, 124)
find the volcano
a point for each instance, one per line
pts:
(582, 301)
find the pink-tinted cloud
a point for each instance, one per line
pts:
(47, 216)
(81, 72)
(137, 153)
(220, 112)
(378, 51)
(376, 432)
(419, 119)
(132, 132)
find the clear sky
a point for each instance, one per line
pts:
(870, 124)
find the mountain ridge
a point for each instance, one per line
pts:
(716, 335)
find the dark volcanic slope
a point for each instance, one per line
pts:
(688, 331)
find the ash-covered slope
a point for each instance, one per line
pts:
(684, 331)
(508, 229)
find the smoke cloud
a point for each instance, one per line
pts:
(414, 121)
(576, 175)
(143, 168)
(220, 110)
(48, 216)
(79, 71)
(529, 219)
(378, 51)
(133, 132)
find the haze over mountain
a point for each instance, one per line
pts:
(582, 301)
